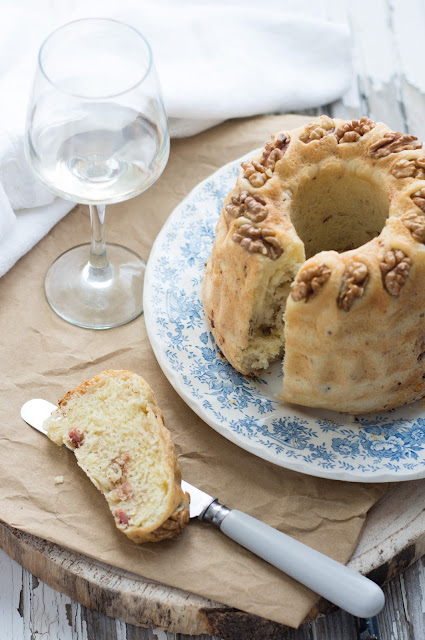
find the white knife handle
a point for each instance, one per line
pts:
(337, 583)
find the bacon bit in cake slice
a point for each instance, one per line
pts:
(76, 437)
(118, 468)
(122, 517)
(122, 459)
(125, 491)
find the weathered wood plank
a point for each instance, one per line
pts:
(11, 599)
(338, 624)
(402, 619)
(401, 515)
(388, 82)
(352, 104)
(376, 55)
(393, 623)
(100, 626)
(408, 28)
(136, 633)
(409, 618)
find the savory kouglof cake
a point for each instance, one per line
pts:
(319, 257)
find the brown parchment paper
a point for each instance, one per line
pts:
(43, 356)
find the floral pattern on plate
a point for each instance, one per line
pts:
(371, 448)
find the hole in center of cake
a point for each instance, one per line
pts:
(338, 210)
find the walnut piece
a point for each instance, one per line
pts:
(416, 225)
(353, 284)
(395, 267)
(413, 168)
(258, 240)
(318, 129)
(354, 130)
(251, 206)
(258, 172)
(310, 281)
(393, 143)
(419, 199)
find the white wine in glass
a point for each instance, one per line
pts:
(96, 134)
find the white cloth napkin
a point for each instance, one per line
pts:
(216, 60)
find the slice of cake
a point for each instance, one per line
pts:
(116, 430)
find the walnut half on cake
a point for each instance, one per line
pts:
(116, 430)
(319, 256)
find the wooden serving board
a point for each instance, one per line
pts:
(392, 540)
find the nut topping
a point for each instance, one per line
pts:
(353, 284)
(309, 282)
(413, 168)
(416, 225)
(318, 129)
(354, 130)
(393, 143)
(258, 240)
(258, 172)
(251, 206)
(419, 199)
(395, 267)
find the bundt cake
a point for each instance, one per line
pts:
(319, 256)
(116, 430)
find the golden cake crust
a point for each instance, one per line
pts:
(346, 195)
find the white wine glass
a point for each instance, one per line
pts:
(96, 134)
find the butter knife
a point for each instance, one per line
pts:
(339, 584)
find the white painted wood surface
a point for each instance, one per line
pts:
(30, 610)
(389, 85)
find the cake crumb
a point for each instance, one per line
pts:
(59, 480)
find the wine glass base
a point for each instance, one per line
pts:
(96, 297)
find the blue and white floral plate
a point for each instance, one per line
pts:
(372, 448)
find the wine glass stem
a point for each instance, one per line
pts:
(98, 258)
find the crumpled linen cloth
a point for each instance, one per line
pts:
(216, 60)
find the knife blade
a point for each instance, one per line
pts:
(336, 582)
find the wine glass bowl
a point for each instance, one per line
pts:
(96, 134)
